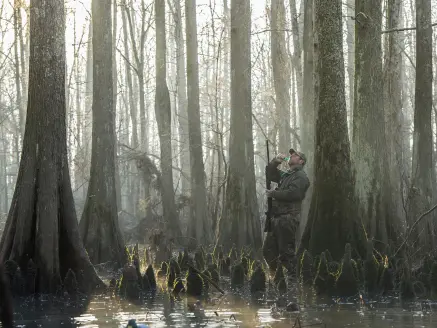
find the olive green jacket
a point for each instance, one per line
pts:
(292, 187)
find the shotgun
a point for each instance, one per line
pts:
(268, 224)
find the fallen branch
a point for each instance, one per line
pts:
(413, 226)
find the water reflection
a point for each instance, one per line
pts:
(230, 310)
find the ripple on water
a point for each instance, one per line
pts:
(231, 310)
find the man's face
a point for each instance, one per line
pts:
(295, 160)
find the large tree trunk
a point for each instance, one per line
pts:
(163, 118)
(99, 224)
(368, 140)
(395, 128)
(182, 100)
(423, 174)
(281, 72)
(42, 223)
(200, 225)
(239, 224)
(332, 220)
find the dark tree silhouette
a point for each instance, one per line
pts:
(42, 223)
(99, 225)
(332, 221)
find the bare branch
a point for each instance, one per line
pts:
(127, 61)
(270, 30)
(404, 29)
(412, 227)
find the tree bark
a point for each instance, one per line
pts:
(182, 100)
(133, 111)
(163, 118)
(42, 223)
(200, 225)
(332, 220)
(423, 173)
(394, 115)
(99, 224)
(281, 72)
(240, 224)
(368, 140)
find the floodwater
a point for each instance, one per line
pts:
(230, 310)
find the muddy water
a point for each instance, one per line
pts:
(234, 309)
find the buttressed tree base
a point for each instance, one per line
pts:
(42, 223)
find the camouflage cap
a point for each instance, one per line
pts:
(300, 154)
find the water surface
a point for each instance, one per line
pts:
(231, 310)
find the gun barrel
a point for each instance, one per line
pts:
(267, 226)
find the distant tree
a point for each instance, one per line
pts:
(163, 118)
(393, 107)
(200, 224)
(240, 224)
(423, 171)
(133, 182)
(308, 112)
(42, 223)
(138, 49)
(332, 221)
(99, 224)
(181, 86)
(281, 72)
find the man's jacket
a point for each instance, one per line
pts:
(293, 184)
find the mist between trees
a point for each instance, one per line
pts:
(167, 105)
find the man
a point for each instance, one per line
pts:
(280, 243)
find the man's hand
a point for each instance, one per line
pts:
(269, 193)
